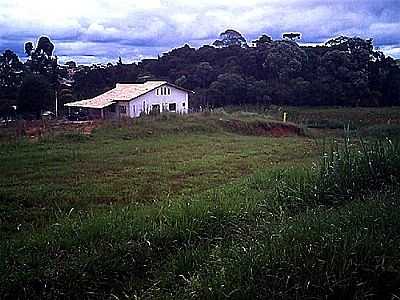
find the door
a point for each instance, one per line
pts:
(155, 108)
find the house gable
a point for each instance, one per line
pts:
(164, 98)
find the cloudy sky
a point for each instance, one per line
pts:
(94, 31)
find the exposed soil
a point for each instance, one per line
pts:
(36, 129)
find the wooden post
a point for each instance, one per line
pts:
(284, 117)
(102, 113)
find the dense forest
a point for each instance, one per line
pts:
(344, 71)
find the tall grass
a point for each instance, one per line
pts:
(345, 171)
(326, 232)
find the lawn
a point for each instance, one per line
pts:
(203, 206)
(116, 165)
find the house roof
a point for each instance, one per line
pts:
(122, 92)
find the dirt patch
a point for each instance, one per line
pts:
(262, 128)
(36, 129)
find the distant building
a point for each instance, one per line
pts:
(253, 44)
(132, 100)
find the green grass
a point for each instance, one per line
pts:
(218, 213)
(135, 162)
(336, 117)
(388, 130)
(256, 238)
(330, 119)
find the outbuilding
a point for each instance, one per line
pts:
(133, 100)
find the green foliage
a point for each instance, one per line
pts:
(41, 61)
(229, 38)
(10, 71)
(345, 71)
(11, 74)
(344, 172)
(292, 36)
(229, 88)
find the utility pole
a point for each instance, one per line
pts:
(56, 105)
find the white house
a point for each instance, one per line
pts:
(131, 100)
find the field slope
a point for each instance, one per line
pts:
(204, 206)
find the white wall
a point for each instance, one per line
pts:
(145, 102)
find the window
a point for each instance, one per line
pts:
(183, 104)
(122, 109)
(163, 91)
(172, 107)
(112, 108)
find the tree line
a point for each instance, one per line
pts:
(344, 71)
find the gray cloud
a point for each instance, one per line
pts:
(103, 30)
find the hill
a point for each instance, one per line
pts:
(345, 71)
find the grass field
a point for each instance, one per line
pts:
(133, 163)
(204, 206)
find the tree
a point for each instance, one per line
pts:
(263, 40)
(71, 64)
(229, 89)
(284, 60)
(11, 74)
(230, 37)
(292, 36)
(44, 46)
(344, 71)
(35, 96)
(203, 75)
(218, 44)
(257, 92)
(41, 60)
(65, 95)
(11, 70)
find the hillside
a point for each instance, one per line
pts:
(345, 71)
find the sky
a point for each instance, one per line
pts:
(99, 31)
